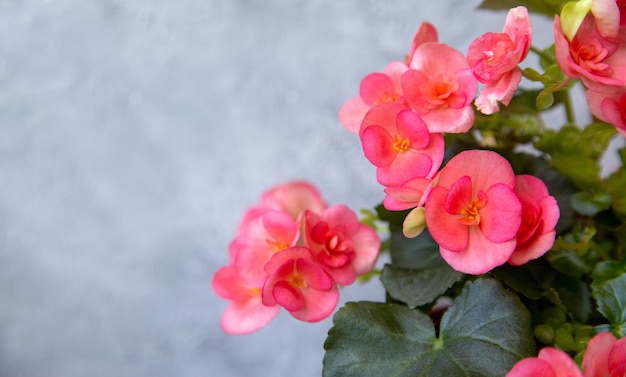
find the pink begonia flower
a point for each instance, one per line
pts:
(599, 62)
(540, 213)
(409, 194)
(375, 88)
(605, 356)
(246, 313)
(341, 244)
(398, 143)
(606, 14)
(609, 107)
(299, 284)
(473, 212)
(425, 33)
(440, 87)
(294, 198)
(494, 60)
(550, 362)
(263, 233)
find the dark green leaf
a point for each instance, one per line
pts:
(546, 7)
(605, 271)
(589, 204)
(611, 298)
(532, 280)
(567, 261)
(375, 339)
(419, 252)
(418, 287)
(574, 293)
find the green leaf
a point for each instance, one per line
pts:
(532, 279)
(605, 271)
(417, 253)
(611, 298)
(546, 7)
(418, 287)
(567, 261)
(545, 99)
(574, 294)
(589, 204)
(484, 333)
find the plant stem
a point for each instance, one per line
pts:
(567, 103)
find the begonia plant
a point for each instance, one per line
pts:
(500, 239)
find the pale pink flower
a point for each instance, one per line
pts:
(606, 14)
(425, 33)
(398, 142)
(246, 313)
(600, 62)
(409, 194)
(609, 107)
(375, 88)
(605, 356)
(263, 233)
(341, 244)
(294, 198)
(299, 284)
(440, 87)
(494, 60)
(550, 362)
(540, 213)
(473, 212)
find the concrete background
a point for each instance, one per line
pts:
(133, 136)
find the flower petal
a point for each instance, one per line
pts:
(246, 317)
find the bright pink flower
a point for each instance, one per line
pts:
(409, 194)
(605, 356)
(246, 313)
(494, 60)
(341, 244)
(440, 87)
(540, 213)
(398, 143)
(375, 88)
(263, 233)
(299, 284)
(425, 33)
(550, 362)
(609, 107)
(473, 212)
(598, 61)
(294, 198)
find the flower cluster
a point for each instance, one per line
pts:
(605, 357)
(291, 251)
(477, 210)
(486, 266)
(590, 44)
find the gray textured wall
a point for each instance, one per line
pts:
(134, 134)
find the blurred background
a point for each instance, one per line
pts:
(134, 135)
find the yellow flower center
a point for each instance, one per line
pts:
(401, 144)
(470, 215)
(297, 281)
(277, 246)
